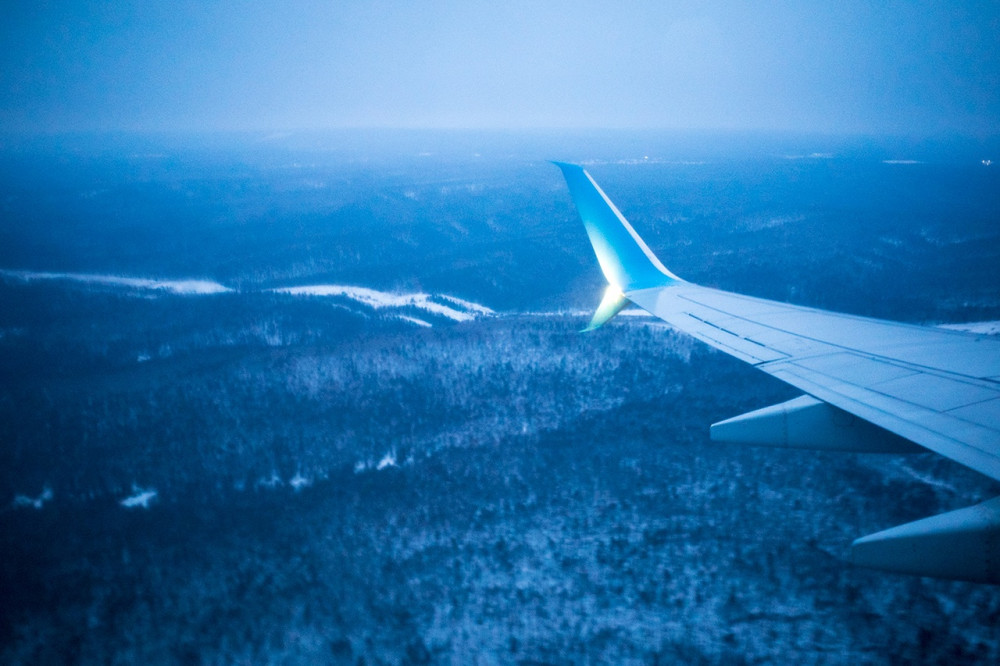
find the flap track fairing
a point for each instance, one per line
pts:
(808, 423)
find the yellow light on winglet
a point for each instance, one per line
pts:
(612, 303)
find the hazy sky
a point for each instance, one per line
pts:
(874, 66)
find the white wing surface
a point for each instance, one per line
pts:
(869, 385)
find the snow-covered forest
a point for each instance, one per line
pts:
(296, 406)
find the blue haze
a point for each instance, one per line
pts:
(254, 476)
(250, 475)
(890, 67)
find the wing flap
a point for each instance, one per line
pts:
(964, 442)
(981, 413)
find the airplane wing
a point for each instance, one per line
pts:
(868, 385)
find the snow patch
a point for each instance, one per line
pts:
(981, 327)
(469, 306)
(388, 460)
(184, 287)
(272, 482)
(926, 478)
(34, 502)
(443, 310)
(414, 320)
(299, 482)
(558, 313)
(141, 498)
(463, 310)
(810, 156)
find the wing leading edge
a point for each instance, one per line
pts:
(870, 385)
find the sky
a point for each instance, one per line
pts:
(808, 66)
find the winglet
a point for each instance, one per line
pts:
(626, 261)
(612, 303)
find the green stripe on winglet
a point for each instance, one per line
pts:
(614, 301)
